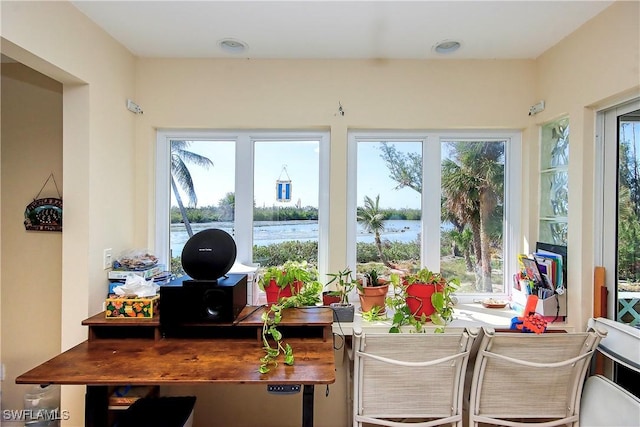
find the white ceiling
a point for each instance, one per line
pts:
(340, 29)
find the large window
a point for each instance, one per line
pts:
(618, 191)
(269, 190)
(446, 201)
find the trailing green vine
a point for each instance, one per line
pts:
(271, 318)
(272, 339)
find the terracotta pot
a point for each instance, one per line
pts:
(419, 298)
(275, 293)
(371, 296)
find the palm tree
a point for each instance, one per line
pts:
(472, 185)
(180, 176)
(372, 220)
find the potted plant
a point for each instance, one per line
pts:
(285, 281)
(424, 296)
(343, 283)
(372, 290)
(273, 342)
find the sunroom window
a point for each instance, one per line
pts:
(269, 190)
(445, 201)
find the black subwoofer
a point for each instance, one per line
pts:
(194, 301)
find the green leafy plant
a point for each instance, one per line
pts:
(272, 339)
(376, 313)
(371, 278)
(271, 273)
(442, 300)
(272, 350)
(293, 271)
(287, 274)
(309, 295)
(344, 283)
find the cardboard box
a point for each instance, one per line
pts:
(549, 307)
(119, 306)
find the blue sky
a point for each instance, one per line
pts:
(301, 162)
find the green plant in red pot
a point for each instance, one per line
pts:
(421, 297)
(285, 281)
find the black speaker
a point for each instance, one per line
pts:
(193, 302)
(208, 254)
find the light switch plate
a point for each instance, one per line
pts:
(107, 258)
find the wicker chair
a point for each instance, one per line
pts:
(524, 379)
(414, 379)
(605, 403)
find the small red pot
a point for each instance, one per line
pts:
(329, 299)
(276, 293)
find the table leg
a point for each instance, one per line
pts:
(96, 406)
(307, 405)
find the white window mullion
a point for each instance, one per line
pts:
(243, 215)
(162, 193)
(431, 190)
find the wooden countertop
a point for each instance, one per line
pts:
(182, 360)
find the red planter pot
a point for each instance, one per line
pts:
(419, 299)
(275, 293)
(329, 299)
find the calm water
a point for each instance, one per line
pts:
(269, 232)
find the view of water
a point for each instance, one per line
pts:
(269, 232)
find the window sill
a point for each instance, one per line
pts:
(465, 314)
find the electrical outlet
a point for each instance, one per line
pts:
(107, 259)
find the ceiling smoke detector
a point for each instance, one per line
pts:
(447, 46)
(233, 45)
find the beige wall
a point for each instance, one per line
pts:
(228, 94)
(108, 152)
(596, 66)
(98, 75)
(32, 261)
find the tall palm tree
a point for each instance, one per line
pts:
(372, 220)
(461, 203)
(472, 183)
(180, 176)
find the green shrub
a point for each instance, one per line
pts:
(279, 253)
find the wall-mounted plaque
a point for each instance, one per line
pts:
(44, 215)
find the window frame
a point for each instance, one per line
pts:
(606, 202)
(431, 167)
(244, 182)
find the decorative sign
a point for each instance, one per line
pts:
(283, 191)
(283, 187)
(44, 214)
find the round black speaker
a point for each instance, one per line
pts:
(209, 254)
